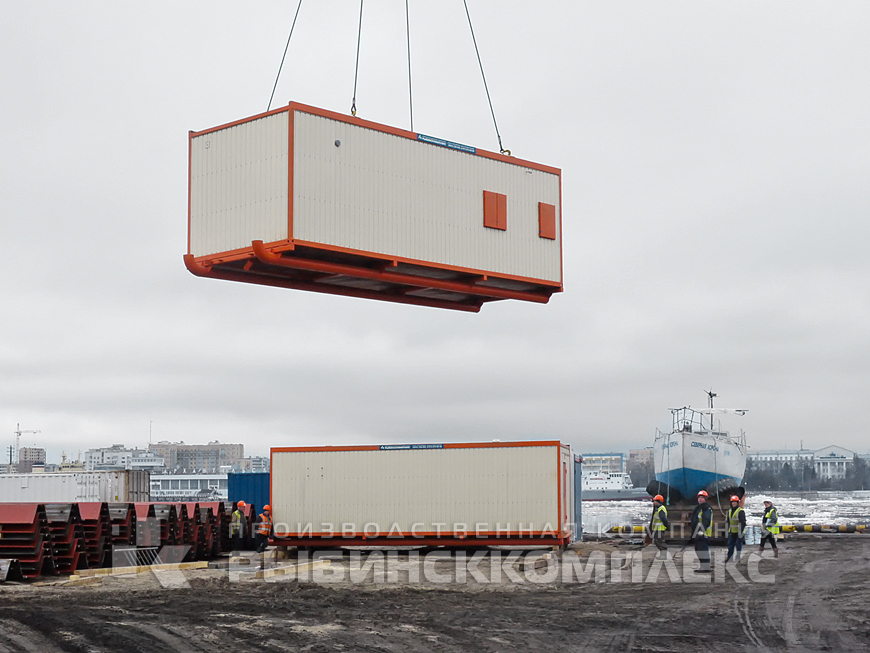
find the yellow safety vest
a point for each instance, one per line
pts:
(734, 519)
(236, 523)
(657, 524)
(709, 530)
(771, 515)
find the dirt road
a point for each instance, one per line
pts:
(818, 601)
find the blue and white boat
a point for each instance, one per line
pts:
(697, 454)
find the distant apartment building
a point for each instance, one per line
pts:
(119, 457)
(254, 464)
(28, 457)
(199, 457)
(640, 457)
(604, 462)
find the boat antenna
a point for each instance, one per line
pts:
(710, 395)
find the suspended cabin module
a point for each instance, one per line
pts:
(305, 198)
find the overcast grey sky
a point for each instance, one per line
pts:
(715, 202)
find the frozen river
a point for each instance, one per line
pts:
(814, 508)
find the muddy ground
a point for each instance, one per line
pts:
(819, 600)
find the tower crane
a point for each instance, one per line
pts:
(18, 433)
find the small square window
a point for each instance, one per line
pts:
(546, 221)
(494, 210)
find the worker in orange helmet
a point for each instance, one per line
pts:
(658, 524)
(702, 529)
(736, 528)
(264, 528)
(238, 524)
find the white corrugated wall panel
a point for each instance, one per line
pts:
(77, 486)
(238, 185)
(416, 491)
(391, 195)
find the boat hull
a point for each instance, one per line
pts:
(691, 462)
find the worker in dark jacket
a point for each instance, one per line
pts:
(769, 527)
(658, 524)
(702, 529)
(736, 528)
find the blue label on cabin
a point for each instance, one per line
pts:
(440, 141)
(394, 447)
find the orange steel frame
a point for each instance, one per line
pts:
(428, 538)
(266, 263)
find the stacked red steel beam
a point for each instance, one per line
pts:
(202, 527)
(123, 521)
(25, 536)
(97, 525)
(66, 537)
(149, 530)
(219, 526)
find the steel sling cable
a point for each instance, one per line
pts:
(356, 68)
(410, 93)
(480, 63)
(271, 97)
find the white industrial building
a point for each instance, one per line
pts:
(833, 461)
(189, 487)
(829, 462)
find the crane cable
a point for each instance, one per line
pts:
(410, 94)
(410, 90)
(356, 68)
(486, 88)
(271, 97)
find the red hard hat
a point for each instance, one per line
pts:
(241, 504)
(703, 493)
(734, 497)
(659, 497)
(267, 507)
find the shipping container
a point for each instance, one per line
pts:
(250, 487)
(120, 486)
(451, 494)
(310, 199)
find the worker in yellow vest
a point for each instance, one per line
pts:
(264, 528)
(769, 527)
(702, 529)
(658, 525)
(238, 525)
(736, 528)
